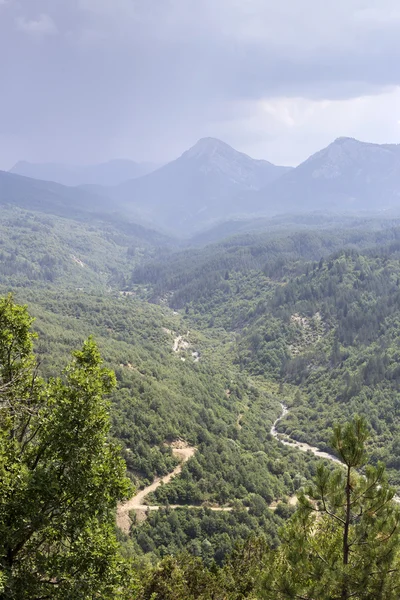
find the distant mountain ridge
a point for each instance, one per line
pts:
(211, 184)
(73, 203)
(47, 196)
(197, 188)
(216, 156)
(108, 173)
(346, 175)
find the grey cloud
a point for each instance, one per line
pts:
(42, 25)
(145, 78)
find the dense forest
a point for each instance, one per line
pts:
(325, 329)
(203, 346)
(62, 476)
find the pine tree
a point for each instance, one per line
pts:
(343, 542)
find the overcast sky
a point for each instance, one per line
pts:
(89, 80)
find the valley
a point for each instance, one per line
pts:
(199, 300)
(302, 446)
(184, 452)
(137, 503)
(249, 347)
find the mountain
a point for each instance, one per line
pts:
(56, 234)
(112, 172)
(197, 188)
(211, 183)
(346, 175)
(69, 202)
(50, 197)
(213, 156)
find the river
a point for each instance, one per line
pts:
(303, 446)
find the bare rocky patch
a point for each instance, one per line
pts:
(307, 332)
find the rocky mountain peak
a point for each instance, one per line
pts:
(207, 148)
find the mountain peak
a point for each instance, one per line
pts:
(345, 140)
(207, 146)
(200, 186)
(210, 142)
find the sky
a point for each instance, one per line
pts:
(82, 81)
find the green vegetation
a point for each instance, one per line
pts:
(60, 476)
(41, 249)
(185, 577)
(200, 281)
(327, 328)
(344, 540)
(333, 333)
(160, 398)
(208, 534)
(205, 345)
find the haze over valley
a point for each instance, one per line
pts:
(212, 183)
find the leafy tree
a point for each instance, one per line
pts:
(60, 476)
(185, 577)
(343, 541)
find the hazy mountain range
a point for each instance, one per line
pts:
(346, 175)
(197, 188)
(48, 196)
(112, 172)
(212, 183)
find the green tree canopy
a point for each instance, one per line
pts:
(343, 542)
(60, 475)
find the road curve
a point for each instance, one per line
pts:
(287, 441)
(137, 501)
(303, 446)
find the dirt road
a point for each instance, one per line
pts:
(303, 446)
(137, 502)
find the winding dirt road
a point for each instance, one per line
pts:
(287, 441)
(184, 453)
(137, 502)
(303, 446)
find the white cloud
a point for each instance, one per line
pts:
(43, 25)
(288, 130)
(146, 78)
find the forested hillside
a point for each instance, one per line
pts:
(325, 327)
(62, 476)
(333, 332)
(41, 249)
(207, 344)
(164, 395)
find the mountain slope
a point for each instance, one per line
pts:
(52, 233)
(41, 249)
(346, 175)
(112, 172)
(197, 188)
(47, 196)
(75, 203)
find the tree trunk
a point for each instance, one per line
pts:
(346, 547)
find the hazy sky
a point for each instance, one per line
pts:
(88, 80)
